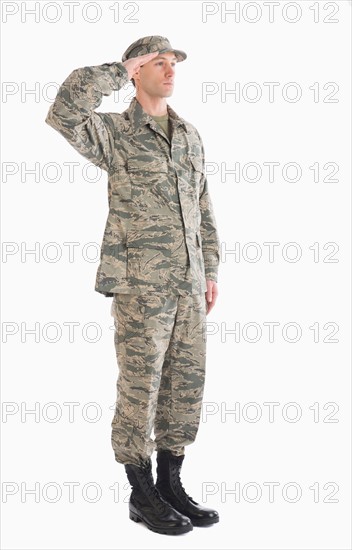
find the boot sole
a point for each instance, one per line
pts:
(204, 522)
(162, 530)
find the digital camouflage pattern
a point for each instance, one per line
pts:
(149, 44)
(160, 232)
(160, 343)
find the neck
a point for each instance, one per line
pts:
(154, 106)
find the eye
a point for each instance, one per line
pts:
(161, 62)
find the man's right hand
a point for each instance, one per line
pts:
(133, 64)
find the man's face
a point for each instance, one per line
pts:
(156, 77)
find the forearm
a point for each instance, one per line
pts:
(72, 113)
(209, 235)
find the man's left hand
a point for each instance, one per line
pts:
(211, 294)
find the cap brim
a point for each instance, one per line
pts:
(181, 55)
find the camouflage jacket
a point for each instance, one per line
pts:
(160, 233)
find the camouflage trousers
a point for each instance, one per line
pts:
(160, 343)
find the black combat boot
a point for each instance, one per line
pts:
(170, 487)
(147, 505)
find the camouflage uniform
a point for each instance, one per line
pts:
(160, 244)
(160, 343)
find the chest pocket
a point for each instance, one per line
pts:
(149, 180)
(197, 170)
(120, 186)
(146, 169)
(194, 180)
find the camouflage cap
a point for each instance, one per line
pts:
(149, 44)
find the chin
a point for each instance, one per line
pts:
(165, 92)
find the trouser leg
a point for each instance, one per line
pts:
(143, 326)
(183, 377)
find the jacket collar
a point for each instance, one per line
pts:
(139, 117)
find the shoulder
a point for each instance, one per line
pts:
(194, 139)
(193, 132)
(191, 129)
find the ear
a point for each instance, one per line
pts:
(136, 75)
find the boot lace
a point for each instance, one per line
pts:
(151, 491)
(177, 484)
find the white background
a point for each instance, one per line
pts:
(231, 451)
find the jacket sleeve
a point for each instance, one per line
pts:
(72, 113)
(208, 229)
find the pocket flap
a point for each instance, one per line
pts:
(149, 239)
(146, 164)
(197, 164)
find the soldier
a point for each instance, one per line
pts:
(159, 261)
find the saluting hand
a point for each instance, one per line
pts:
(133, 64)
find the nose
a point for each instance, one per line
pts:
(169, 71)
